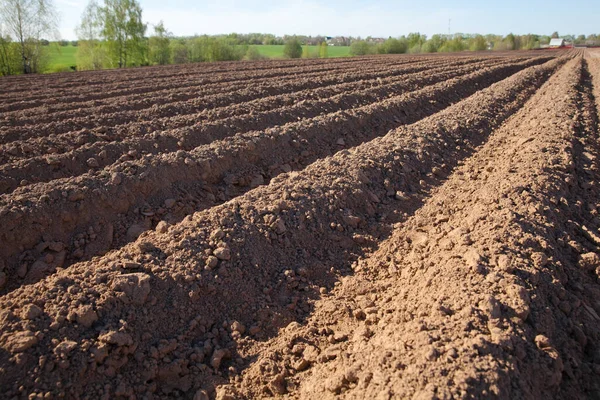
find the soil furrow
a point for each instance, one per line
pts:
(51, 85)
(127, 198)
(100, 79)
(212, 95)
(489, 290)
(99, 155)
(221, 122)
(188, 89)
(264, 87)
(270, 250)
(140, 89)
(125, 78)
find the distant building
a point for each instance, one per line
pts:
(556, 43)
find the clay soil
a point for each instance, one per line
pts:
(420, 227)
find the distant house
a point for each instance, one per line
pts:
(556, 43)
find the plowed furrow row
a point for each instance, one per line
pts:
(215, 94)
(101, 154)
(186, 89)
(125, 199)
(489, 288)
(168, 106)
(124, 78)
(224, 121)
(139, 89)
(273, 248)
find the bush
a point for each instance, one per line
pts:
(478, 43)
(91, 55)
(10, 57)
(179, 52)
(394, 46)
(417, 48)
(323, 50)
(361, 48)
(307, 53)
(292, 48)
(59, 68)
(253, 54)
(206, 48)
(452, 46)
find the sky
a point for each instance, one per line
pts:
(356, 17)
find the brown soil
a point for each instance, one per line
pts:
(433, 236)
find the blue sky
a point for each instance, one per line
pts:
(357, 17)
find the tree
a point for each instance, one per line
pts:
(253, 54)
(511, 42)
(394, 46)
(478, 43)
(529, 42)
(361, 48)
(554, 35)
(305, 52)
(292, 48)
(10, 61)
(91, 54)
(27, 21)
(415, 39)
(179, 52)
(159, 49)
(323, 50)
(123, 31)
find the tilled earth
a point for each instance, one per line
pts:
(378, 227)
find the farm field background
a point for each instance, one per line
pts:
(364, 227)
(276, 51)
(62, 57)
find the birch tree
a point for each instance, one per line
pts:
(27, 22)
(123, 31)
(91, 54)
(159, 49)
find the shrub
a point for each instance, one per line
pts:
(478, 43)
(206, 48)
(179, 52)
(395, 46)
(91, 55)
(59, 68)
(253, 54)
(292, 48)
(306, 53)
(323, 50)
(361, 48)
(417, 48)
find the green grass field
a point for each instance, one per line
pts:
(61, 58)
(276, 51)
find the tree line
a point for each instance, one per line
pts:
(112, 34)
(418, 43)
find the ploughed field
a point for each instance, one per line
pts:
(376, 227)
